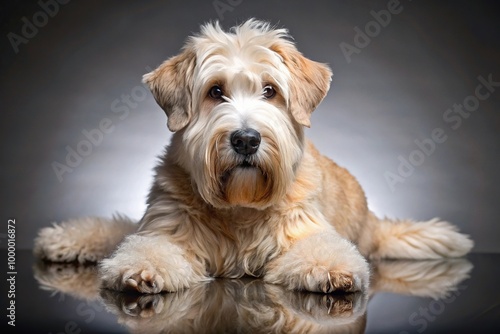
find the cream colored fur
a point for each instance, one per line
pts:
(285, 213)
(82, 240)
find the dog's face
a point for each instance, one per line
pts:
(239, 101)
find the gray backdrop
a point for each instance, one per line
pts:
(412, 113)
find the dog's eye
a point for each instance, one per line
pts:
(215, 93)
(268, 92)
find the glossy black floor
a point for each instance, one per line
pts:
(448, 296)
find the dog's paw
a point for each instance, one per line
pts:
(149, 265)
(141, 276)
(132, 274)
(320, 263)
(145, 281)
(327, 281)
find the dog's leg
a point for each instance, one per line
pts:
(150, 264)
(322, 262)
(82, 240)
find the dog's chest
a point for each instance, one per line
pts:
(246, 244)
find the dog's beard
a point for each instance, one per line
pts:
(255, 181)
(244, 185)
(249, 181)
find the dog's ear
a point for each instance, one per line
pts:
(171, 85)
(309, 85)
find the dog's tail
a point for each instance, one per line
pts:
(82, 240)
(406, 239)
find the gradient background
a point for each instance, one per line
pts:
(77, 69)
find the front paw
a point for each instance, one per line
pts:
(327, 281)
(149, 265)
(141, 277)
(320, 263)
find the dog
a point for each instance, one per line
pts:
(240, 191)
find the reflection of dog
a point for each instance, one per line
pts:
(238, 306)
(240, 190)
(251, 306)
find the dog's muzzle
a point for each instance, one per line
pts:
(245, 142)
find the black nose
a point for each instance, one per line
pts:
(245, 141)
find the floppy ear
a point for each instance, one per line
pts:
(171, 85)
(309, 83)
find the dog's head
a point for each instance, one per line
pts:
(238, 102)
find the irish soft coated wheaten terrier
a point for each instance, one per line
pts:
(240, 190)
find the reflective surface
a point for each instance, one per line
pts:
(456, 295)
(85, 66)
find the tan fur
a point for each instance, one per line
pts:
(310, 85)
(171, 76)
(82, 240)
(285, 213)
